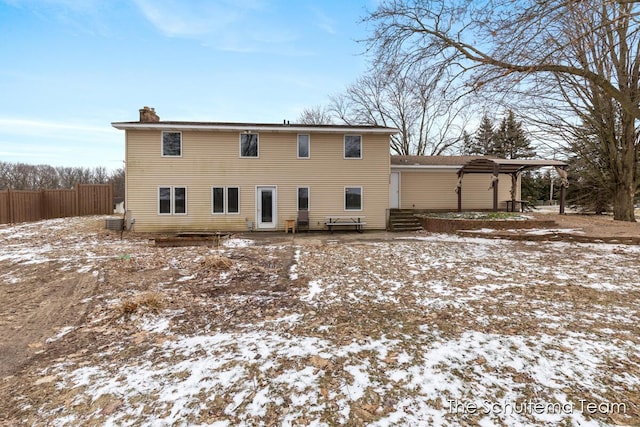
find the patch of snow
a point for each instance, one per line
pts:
(61, 333)
(155, 324)
(237, 243)
(293, 275)
(315, 287)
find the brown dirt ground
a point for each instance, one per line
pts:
(49, 298)
(594, 225)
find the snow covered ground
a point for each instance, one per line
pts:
(424, 330)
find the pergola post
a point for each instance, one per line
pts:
(513, 167)
(494, 182)
(459, 191)
(564, 184)
(514, 189)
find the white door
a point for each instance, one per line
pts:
(394, 191)
(266, 208)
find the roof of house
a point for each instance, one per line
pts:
(512, 166)
(252, 127)
(472, 164)
(432, 160)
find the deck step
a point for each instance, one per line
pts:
(403, 220)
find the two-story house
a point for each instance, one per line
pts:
(194, 176)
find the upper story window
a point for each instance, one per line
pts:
(352, 147)
(171, 144)
(304, 146)
(248, 145)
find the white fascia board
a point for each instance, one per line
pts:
(250, 128)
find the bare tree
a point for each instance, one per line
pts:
(47, 177)
(117, 178)
(21, 176)
(413, 100)
(521, 46)
(5, 180)
(611, 136)
(317, 115)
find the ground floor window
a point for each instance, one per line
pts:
(225, 200)
(353, 198)
(172, 200)
(233, 200)
(303, 198)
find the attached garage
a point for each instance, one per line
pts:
(430, 182)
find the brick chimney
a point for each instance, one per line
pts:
(148, 115)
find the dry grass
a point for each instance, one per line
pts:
(217, 262)
(148, 302)
(347, 333)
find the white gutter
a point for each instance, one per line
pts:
(250, 128)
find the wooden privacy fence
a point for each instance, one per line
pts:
(83, 199)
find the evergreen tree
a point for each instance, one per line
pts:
(510, 140)
(467, 144)
(482, 143)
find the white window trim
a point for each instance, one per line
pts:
(172, 200)
(298, 146)
(186, 200)
(308, 197)
(344, 147)
(225, 200)
(344, 198)
(162, 144)
(240, 145)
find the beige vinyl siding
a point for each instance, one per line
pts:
(435, 189)
(211, 158)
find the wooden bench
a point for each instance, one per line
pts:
(341, 221)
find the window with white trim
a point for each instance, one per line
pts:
(225, 200)
(249, 145)
(171, 144)
(172, 200)
(352, 147)
(303, 198)
(353, 198)
(304, 146)
(233, 200)
(217, 195)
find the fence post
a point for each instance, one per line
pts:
(44, 214)
(77, 191)
(111, 210)
(10, 202)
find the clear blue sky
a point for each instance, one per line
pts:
(71, 67)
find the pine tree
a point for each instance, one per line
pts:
(467, 144)
(510, 140)
(482, 143)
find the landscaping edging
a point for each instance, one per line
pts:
(553, 236)
(446, 225)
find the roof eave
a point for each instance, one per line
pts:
(250, 128)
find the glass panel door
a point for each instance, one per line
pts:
(266, 207)
(266, 200)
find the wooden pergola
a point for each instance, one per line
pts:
(513, 167)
